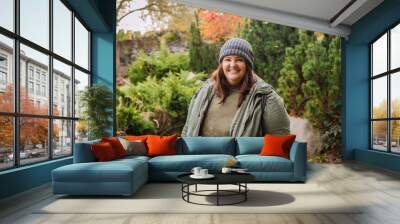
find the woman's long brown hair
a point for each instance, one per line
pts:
(222, 87)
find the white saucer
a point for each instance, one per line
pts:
(208, 176)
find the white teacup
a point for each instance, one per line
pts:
(196, 171)
(203, 172)
(226, 170)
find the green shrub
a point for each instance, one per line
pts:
(130, 121)
(158, 64)
(159, 105)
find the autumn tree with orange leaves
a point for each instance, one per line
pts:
(218, 27)
(379, 128)
(33, 130)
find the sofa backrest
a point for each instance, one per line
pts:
(190, 146)
(206, 145)
(249, 145)
(83, 152)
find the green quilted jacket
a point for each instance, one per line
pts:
(247, 120)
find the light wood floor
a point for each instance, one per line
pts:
(354, 182)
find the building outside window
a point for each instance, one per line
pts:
(3, 72)
(37, 74)
(30, 87)
(43, 90)
(385, 94)
(30, 72)
(55, 96)
(3, 78)
(37, 89)
(34, 80)
(3, 61)
(43, 78)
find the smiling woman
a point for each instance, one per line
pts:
(235, 101)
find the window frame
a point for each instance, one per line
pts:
(16, 114)
(388, 74)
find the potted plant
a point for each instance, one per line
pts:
(96, 102)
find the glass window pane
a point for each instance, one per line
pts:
(62, 138)
(395, 94)
(35, 21)
(62, 29)
(6, 142)
(81, 81)
(379, 98)
(81, 131)
(7, 14)
(33, 140)
(34, 80)
(395, 47)
(395, 138)
(379, 55)
(62, 89)
(6, 74)
(81, 45)
(379, 135)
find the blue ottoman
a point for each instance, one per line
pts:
(118, 177)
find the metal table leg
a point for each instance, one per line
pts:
(245, 194)
(217, 194)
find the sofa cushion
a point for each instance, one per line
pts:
(206, 145)
(112, 171)
(277, 145)
(257, 163)
(103, 151)
(249, 145)
(185, 163)
(132, 158)
(135, 137)
(161, 145)
(116, 145)
(134, 147)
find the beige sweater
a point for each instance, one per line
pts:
(218, 118)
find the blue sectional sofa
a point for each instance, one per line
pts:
(125, 176)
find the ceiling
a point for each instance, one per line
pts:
(327, 16)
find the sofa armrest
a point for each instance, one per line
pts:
(83, 152)
(298, 155)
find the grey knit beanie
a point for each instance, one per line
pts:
(237, 46)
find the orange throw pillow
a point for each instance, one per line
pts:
(277, 145)
(103, 152)
(161, 145)
(135, 137)
(116, 145)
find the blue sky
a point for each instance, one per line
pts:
(35, 27)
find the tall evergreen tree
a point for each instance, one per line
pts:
(194, 47)
(269, 42)
(310, 85)
(203, 56)
(291, 80)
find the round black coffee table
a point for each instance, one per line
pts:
(238, 179)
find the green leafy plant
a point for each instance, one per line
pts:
(158, 64)
(96, 102)
(157, 106)
(269, 42)
(310, 85)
